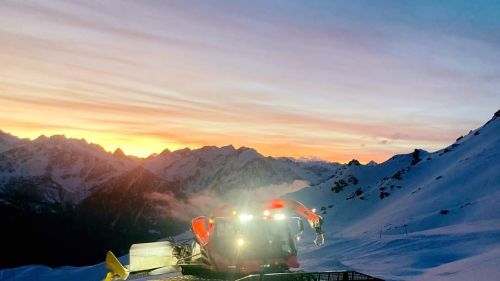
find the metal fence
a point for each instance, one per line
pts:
(310, 276)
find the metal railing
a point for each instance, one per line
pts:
(310, 276)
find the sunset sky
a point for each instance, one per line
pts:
(330, 79)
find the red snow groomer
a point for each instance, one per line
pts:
(258, 237)
(255, 237)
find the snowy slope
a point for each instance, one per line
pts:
(439, 219)
(40, 272)
(60, 169)
(226, 168)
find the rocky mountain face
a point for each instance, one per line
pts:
(55, 169)
(226, 168)
(8, 141)
(68, 171)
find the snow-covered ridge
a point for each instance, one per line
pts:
(8, 141)
(419, 216)
(63, 170)
(67, 170)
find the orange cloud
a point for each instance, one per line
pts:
(185, 77)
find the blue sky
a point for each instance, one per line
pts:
(329, 79)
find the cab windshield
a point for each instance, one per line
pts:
(258, 238)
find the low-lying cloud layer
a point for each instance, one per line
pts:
(200, 204)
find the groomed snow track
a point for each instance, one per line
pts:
(296, 276)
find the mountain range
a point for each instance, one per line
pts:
(56, 186)
(417, 216)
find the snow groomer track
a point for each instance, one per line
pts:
(298, 276)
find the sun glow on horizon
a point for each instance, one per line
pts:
(144, 147)
(138, 147)
(286, 85)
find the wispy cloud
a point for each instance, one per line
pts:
(334, 80)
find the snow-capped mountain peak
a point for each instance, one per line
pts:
(8, 141)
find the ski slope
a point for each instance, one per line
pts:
(440, 221)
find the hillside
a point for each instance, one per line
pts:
(419, 216)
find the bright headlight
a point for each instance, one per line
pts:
(245, 217)
(279, 217)
(240, 242)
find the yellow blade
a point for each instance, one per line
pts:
(109, 277)
(115, 268)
